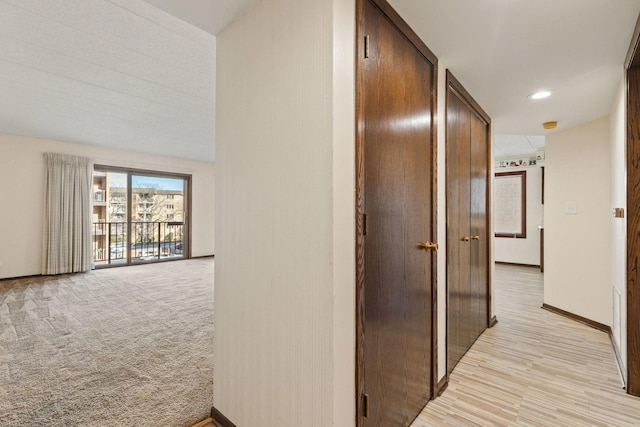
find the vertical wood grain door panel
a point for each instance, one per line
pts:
(467, 166)
(479, 276)
(397, 156)
(458, 228)
(632, 65)
(633, 230)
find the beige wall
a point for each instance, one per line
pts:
(578, 247)
(619, 225)
(22, 188)
(284, 341)
(524, 251)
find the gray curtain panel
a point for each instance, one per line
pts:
(67, 214)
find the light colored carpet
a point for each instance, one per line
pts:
(118, 347)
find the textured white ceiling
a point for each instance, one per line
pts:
(210, 15)
(117, 73)
(516, 145)
(504, 50)
(126, 74)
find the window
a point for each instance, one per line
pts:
(510, 199)
(136, 220)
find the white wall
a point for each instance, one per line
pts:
(524, 251)
(284, 342)
(618, 190)
(578, 247)
(22, 169)
(344, 290)
(441, 276)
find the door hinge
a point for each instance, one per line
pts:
(365, 405)
(366, 46)
(365, 224)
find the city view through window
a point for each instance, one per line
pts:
(138, 217)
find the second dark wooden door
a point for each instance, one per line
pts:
(467, 222)
(398, 105)
(459, 323)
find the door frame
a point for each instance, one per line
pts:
(454, 85)
(413, 38)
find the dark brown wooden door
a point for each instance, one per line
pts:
(459, 326)
(479, 250)
(467, 227)
(633, 221)
(397, 96)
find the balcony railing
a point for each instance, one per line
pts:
(149, 241)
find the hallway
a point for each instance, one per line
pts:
(533, 368)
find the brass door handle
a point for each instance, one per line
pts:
(476, 237)
(427, 245)
(465, 239)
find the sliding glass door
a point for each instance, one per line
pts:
(139, 216)
(157, 217)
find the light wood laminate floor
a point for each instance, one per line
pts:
(534, 368)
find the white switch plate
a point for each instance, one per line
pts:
(572, 208)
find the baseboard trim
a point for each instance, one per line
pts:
(616, 351)
(102, 267)
(517, 264)
(30, 276)
(442, 386)
(220, 420)
(493, 322)
(592, 323)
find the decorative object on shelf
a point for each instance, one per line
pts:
(517, 163)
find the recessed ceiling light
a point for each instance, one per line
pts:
(540, 94)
